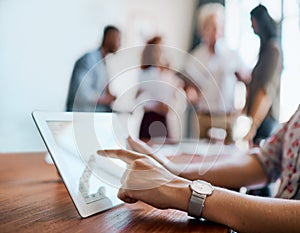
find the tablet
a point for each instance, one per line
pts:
(72, 140)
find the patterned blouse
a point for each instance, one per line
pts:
(280, 158)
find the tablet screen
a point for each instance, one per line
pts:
(93, 176)
(92, 181)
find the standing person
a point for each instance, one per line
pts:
(263, 89)
(156, 91)
(89, 81)
(213, 70)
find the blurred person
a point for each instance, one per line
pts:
(157, 91)
(263, 88)
(164, 184)
(212, 69)
(89, 81)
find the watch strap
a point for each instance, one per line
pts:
(196, 204)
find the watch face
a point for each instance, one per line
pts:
(202, 187)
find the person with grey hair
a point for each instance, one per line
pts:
(212, 69)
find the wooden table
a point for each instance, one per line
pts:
(33, 199)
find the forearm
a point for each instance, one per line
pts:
(148, 181)
(158, 107)
(233, 172)
(245, 78)
(240, 212)
(245, 213)
(260, 108)
(106, 98)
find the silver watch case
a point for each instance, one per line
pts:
(200, 189)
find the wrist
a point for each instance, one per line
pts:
(200, 191)
(255, 124)
(180, 194)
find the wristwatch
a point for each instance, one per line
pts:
(200, 190)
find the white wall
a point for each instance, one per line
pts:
(40, 41)
(172, 19)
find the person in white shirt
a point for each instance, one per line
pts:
(212, 68)
(158, 92)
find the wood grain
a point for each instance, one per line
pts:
(33, 199)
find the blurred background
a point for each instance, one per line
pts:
(41, 40)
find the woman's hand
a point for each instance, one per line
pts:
(156, 106)
(147, 180)
(250, 135)
(144, 148)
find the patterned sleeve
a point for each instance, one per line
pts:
(270, 154)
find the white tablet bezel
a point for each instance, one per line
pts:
(41, 119)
